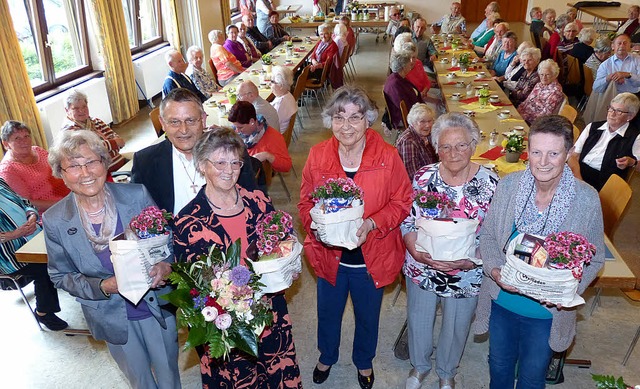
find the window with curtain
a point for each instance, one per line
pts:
(53, 40)
(144, 23)
(234, 5)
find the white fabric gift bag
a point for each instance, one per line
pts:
(277, 274)
(132, 260)
(338, 228)
(447, 240)
(557, 286)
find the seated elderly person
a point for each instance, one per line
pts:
(484, 24)
(202, 79)
(322, 55)
(414, 143)
(569, 38)
(394, 21)
(398, 88)
(351, 35)
(537, 24)
(227, 65)
(549, 50)
(631, 25)
(478, 44)
(495, 43)
(235, 47)
(506, 54)
(515, 68)
(427, 52)
(530, 58)
(621, 68)
(451, 23)
(18, 224)
(340, 37)
(549, 18)
(177, 77)
(77, 110)
(261, 42)
(274, 31)
(601, 51)
(284, 102)
(26, 169)
(248, 91)
(247, 43)
(572, 13)
(263, 142)
(417, 76)
(609, 147)
(583, 49)
(546, 97)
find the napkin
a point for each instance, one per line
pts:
(299, 50)
(483, 79)
(454, 68)
(496, 153)
(469, 100)
(513, 120)
(225, 101)
(450, 83)
(478, 108)
(501, 104)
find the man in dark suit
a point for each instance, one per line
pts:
(167, 169)
(262, 42)
(177, 77)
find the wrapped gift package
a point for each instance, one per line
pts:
(447, 240)
(338, 228)
(277, 274)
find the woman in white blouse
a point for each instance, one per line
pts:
(284, 103)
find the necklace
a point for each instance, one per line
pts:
(96, 213)
(193, 185)
(235, 204)
(349, 161)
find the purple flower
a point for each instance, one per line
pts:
(198, 302)
(240, 275)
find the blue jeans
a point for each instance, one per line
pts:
(367, 300)
(516, 339)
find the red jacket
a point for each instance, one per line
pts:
(387, 200)
(326, 57)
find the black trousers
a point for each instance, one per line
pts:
(46, 294)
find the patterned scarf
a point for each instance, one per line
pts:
(107, 228)
(253, 138)
(527, 217)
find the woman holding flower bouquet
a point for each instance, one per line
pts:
(462, 189)
(541, 200)
(357, 152)
(141, 338)
(220, 214)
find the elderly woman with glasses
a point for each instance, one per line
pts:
(609, 147)
(455, 284)
(77, 110)
(221, 213)
(547, 96)
(142, 337)
(25, 168)
(505, 55)
(543, 199)
(358, 152)
(414, 144)
(284, 102)
(235, 47)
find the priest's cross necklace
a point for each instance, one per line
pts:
(193, 185)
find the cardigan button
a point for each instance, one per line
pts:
(151, 299)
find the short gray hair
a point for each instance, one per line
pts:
(400, 40)
(629, 100)
(524, 45)
(350, 94)
(454, 120)
(10, 127)
(561, 22)
(214, 35)
(532, 52)
(602, 45)
(67, 145)
(587, 35)
(192, 50)
(340, 30)
(73, 97)
(399, 61)
(324, 26)
(282, 75)
(418, 111)
(551, 65)
(219, 138)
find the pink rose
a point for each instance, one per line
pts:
(210, 313)
(223, 321)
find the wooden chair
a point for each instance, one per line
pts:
(569, 112)
(300, 86)
(587, 85)
(268, 173)
(288, 136)
(343, 61)
(576, 133)
(318, 86)
(154, 115)
(214, 71)
(15, 280)
(614, 197)
(405, 112)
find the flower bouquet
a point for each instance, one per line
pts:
(220, 301)
(267, 62)
(278, 252)
(146, 242)
(444, 238)
(513, 146)
(337, 213)
(553, 269)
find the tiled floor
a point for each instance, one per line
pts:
(36, 359)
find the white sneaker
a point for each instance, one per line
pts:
(448, 383)
(415, 379)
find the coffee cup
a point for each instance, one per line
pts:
(444, 60)
(460, 84)
(494, 98)
(518, 130)
(451, 75)
(469, 113)
(456, 96)
(504, 114)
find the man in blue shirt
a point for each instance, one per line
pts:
(177, 77)
(491, 8)
(622, 68)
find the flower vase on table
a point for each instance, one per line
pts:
(513, 147)
(512, 156)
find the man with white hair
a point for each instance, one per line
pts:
(427, 52)
(394, 21)
(248, 91)
(621, 68)
(177, 77)
(452, 23)
(631, 25)
(491, 8)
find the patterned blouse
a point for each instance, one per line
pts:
(543, 100)
(472, 201)
(523, 87)
(14, 211)
(108, 136)
(414, 152)
(202, 80)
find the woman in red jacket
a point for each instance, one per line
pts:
(323, 53)
(358, 152)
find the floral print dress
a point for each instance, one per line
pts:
(471, 201)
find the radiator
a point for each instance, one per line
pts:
(52, 109)
(150, 72)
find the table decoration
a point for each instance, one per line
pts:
(432, 204)
(475, 106)
(513, 147)
(220, 301)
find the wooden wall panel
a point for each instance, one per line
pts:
(510, 10)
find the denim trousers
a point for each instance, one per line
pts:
(518, 340)
(366, 299)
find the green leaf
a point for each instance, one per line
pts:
(246, 340)
(216, 343)
(179, 297)
(197, 336)
(233, 254)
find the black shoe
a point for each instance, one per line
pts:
(366, 381)
(52, 322)
(320, 376)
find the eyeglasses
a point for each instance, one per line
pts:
(353, 119)
(222, 165)
(77, 169)
(460, 147)
(616, 111)
(395, 14)
(189, 122)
